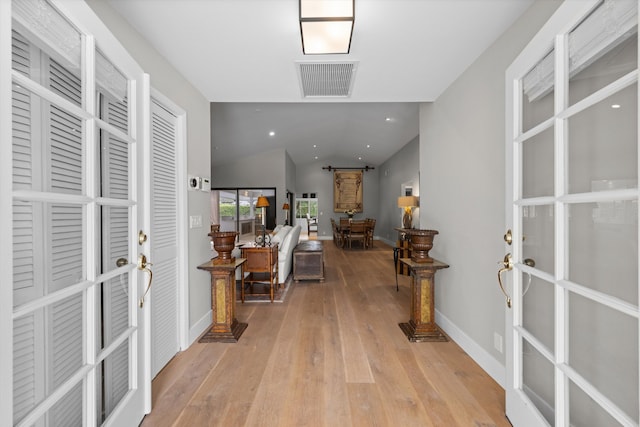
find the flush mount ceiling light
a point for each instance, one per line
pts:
(326, 26)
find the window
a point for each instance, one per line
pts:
(306, 205)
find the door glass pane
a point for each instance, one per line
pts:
(115, 237)
(603, 48)
(58, 35)
(603, 247)
(538, 93)
(603, 348)
(47, 351)
(537, 165)
(113, 88)
(603, 152)
(113, 309)
(584, 411)
(538, 235)
(538, 309)
(114, 380)
(48, 154)
(114, 168)
(54, 229)
(538, 381)
(66, 412)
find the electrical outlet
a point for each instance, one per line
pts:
(497, 341)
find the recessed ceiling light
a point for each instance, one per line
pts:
(615, 106)
(316, 157)
(315, 146)
(388, 119)
(272, 133)
(368, 145)
(359, 157)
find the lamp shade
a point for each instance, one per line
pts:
(407, 202)
(285, 207)
(326, 26)
(262, 202)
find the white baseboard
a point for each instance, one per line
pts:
(200, 326)
(487, 362)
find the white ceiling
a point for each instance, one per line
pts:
(240, 52)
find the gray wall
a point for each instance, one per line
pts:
(172, 84)
(264, 170)
(400, 169)
(462, 164)
(311, 178)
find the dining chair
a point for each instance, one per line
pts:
(358, 232)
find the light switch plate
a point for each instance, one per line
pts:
(195, 221)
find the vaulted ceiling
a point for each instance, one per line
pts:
(243, 56)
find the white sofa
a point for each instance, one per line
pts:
(285, 252)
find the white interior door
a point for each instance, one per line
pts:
(78, 198)
(572, 331)
(165, 233)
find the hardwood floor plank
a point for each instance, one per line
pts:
(366, 406)
(331, 354)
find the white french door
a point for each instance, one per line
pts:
(77, 107)
(572, 330)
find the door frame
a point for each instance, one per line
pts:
(6, 229)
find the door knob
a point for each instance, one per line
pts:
(142, 237)
(508, 237)
(120, 262)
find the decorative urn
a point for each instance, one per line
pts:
(223, 243)
(421, 244)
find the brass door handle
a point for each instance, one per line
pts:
(507, 263)
(121, 262)
(143, 265)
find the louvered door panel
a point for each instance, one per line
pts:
(25, 391)
(66, 245)
(164, 238)
(66, 333)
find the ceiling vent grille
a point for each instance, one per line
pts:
(326, 79)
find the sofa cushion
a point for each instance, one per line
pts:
(276, 229)
(280, 235)
(286, 243)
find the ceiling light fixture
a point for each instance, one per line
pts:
(272, 133)
(326, 26)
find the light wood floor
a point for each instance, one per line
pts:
(331, 355)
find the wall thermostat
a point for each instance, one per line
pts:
(194, 182)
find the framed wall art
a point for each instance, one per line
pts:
(347, 191)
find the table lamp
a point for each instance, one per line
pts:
(285, 207)
(407, 203)
(263, 202)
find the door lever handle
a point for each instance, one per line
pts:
(507, 263)
(143, 265)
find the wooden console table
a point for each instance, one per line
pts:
(225, 327)
(422, 326)
(262, 266)
(403, 248)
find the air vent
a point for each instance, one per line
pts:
(326, 79)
